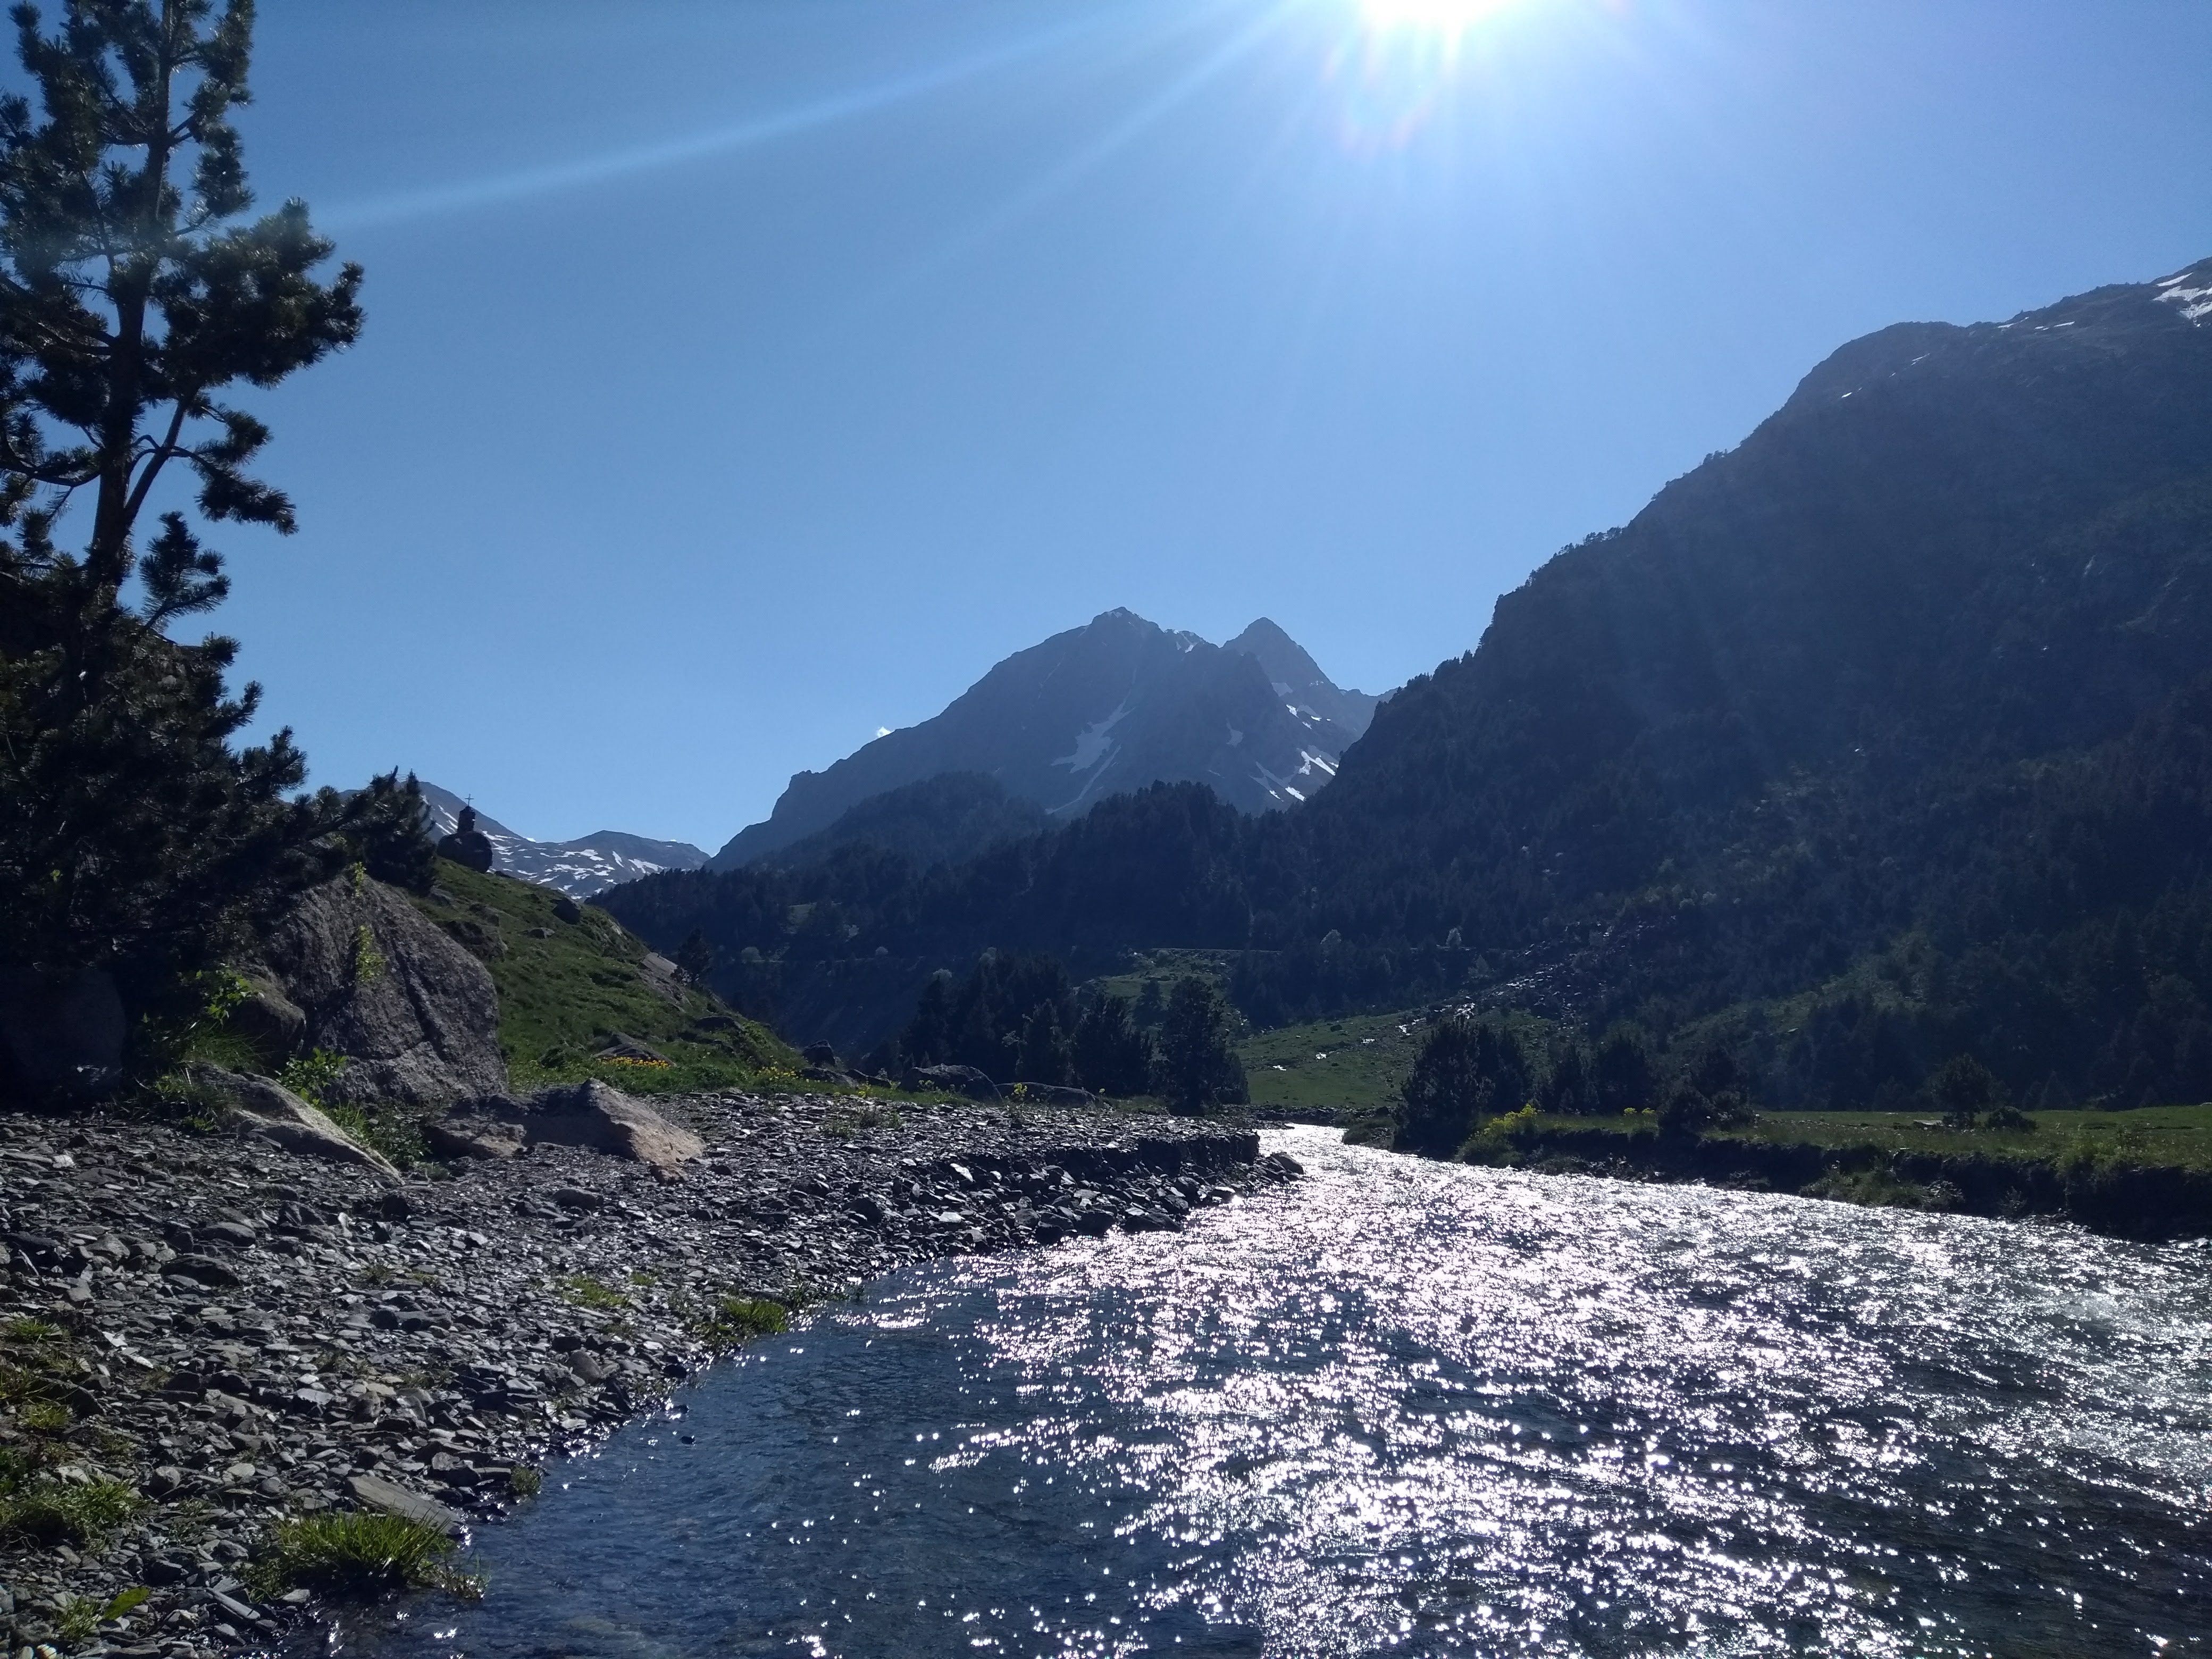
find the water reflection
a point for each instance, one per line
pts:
(1407, 1408)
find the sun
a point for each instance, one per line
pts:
(1445, 19)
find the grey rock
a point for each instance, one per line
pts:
(589, 1114)
(276, 1026)
(629, 1047)
(492, 1128)
(415, 1015)
(1055, 1094)
(952, 1079)
(202, 1269)
(375, 1492)
(263, 1109)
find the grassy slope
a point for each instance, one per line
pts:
(2178, 1137)
(1343, 1066)
(563, 997)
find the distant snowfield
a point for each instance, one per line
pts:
(580, 868)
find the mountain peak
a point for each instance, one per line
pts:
(1298, 679)
(1114, 705)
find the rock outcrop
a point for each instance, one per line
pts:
(261, 1109)
(468, 846)
(589, 1114)
(415, 1015)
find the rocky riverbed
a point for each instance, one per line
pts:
(203, 1336)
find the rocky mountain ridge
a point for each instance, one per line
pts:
(1099, 710)
(581, 868)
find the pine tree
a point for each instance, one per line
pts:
(1112, 1054)
(694, 957)
(134, 292)
(1199, 1065)
(1043, 1055)
(1465, 1071)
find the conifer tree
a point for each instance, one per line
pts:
(1199, 1065)
(136, 293)
(1043, 1056)
(1467, 1070)
(1111, 1054)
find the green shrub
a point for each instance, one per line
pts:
(361, 1552)
(368, 963)
(312, 1076)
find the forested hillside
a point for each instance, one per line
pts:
(1880, 738)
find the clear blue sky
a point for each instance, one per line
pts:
(742, 376)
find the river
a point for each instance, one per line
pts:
(1412, 1409)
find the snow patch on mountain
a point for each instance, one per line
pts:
(581, 868)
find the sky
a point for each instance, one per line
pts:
(743, 377)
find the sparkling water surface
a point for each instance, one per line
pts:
(1412, 1409)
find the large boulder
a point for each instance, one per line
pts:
(468, 846)
(588, 1113)
(415, 1015)
(260, 1109)
(274, 1024)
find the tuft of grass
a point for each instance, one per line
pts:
(843, 1125)
(27, 1330)
(359, 1553)
(79, 1617)
(526, 1480)
(398, 1137)
(586, 1291)
(43, 1416)
(736, 1319)
(52, 1512)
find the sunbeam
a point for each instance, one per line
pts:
(500, 190)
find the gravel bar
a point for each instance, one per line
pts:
(236, 1334)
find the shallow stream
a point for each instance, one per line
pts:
(1412, 1409)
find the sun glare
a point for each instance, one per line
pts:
(1449, 19)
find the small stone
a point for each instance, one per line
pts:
(378, 1493)
(203, 1269)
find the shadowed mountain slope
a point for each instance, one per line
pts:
(1884, 737)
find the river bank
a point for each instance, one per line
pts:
(200, 1337)
(2114, 1177)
